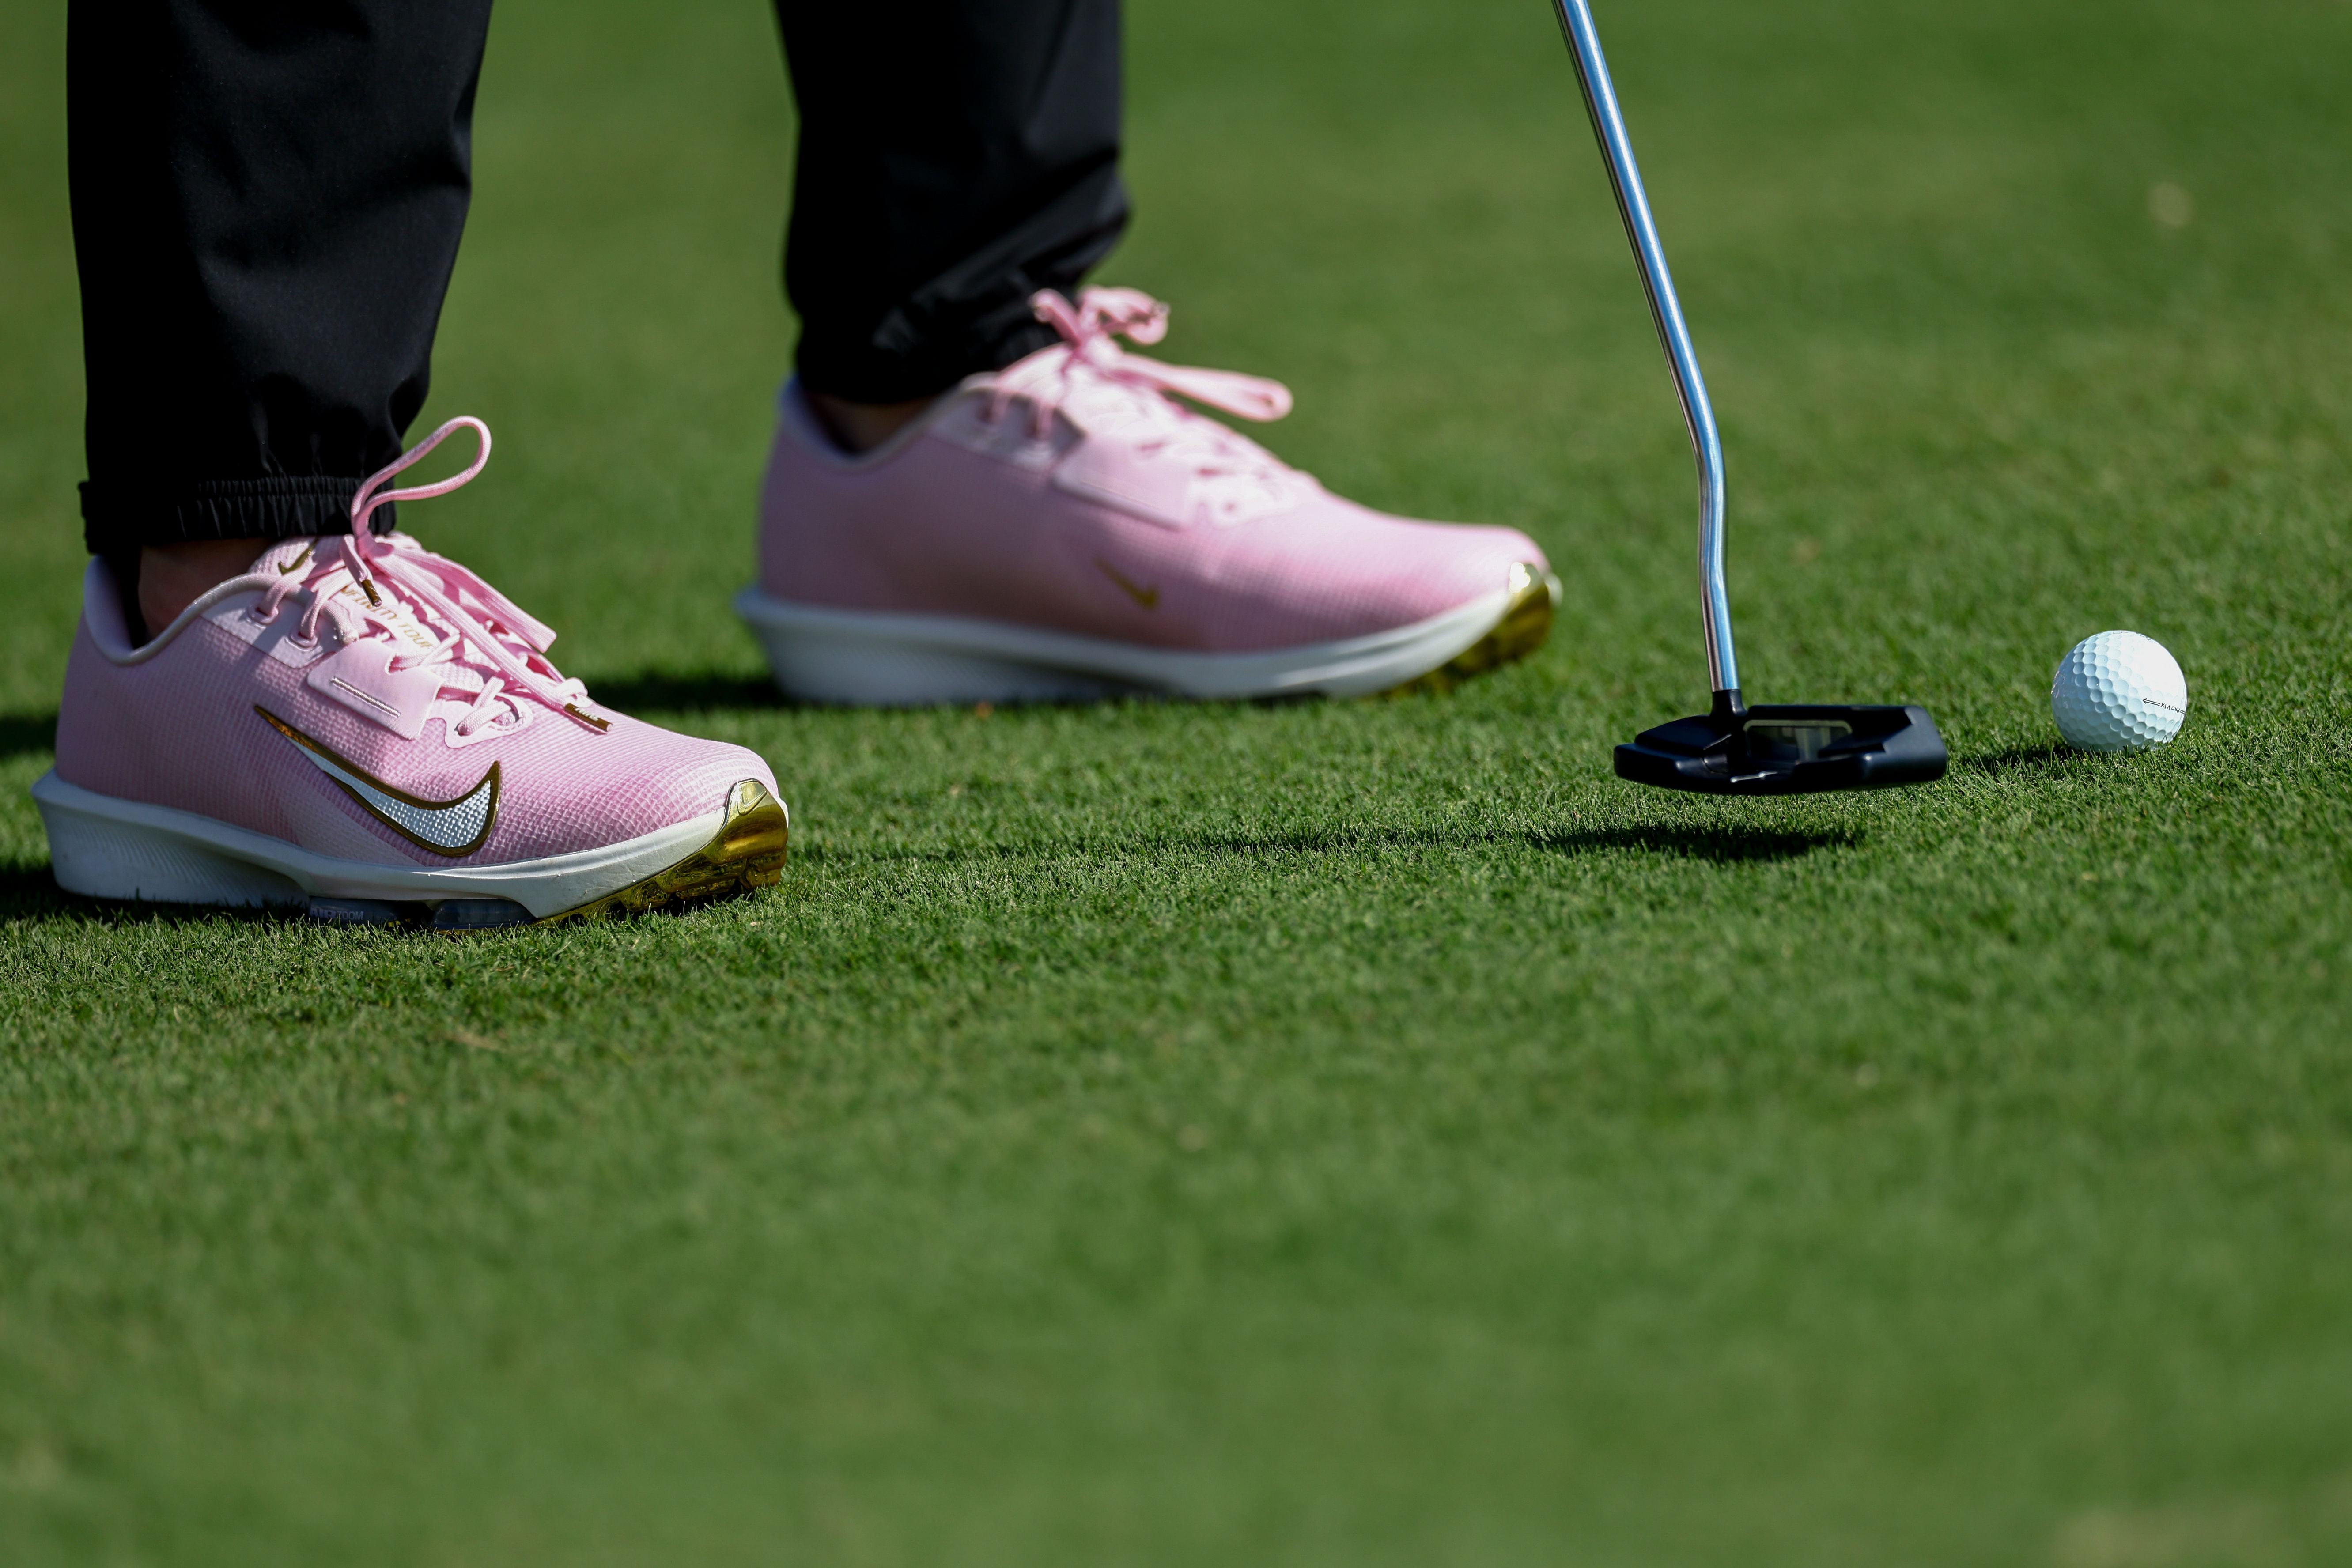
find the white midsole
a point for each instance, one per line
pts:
(108, 849)
(872, 656)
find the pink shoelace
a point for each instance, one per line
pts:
(490, 648)
(1106, 388)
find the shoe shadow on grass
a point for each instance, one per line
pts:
(29, 893)
(24, 733)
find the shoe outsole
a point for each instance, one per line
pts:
(746, 854)
(872, 658)
(128, 852)
(1523, 627)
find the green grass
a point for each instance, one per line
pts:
(1349, 1134)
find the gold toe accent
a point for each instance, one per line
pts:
(747, 852)
(1525, 623)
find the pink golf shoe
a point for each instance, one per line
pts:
(1065, 528)
(363, 727)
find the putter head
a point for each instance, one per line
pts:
(1789, 748)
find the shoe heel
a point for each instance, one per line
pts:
(102, 858)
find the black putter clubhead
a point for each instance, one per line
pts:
(1787, 748)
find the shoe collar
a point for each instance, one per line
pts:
(794, 414)
(1088, 366)
(102, 613)
(452, 616)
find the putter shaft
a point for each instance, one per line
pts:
(1673, 336)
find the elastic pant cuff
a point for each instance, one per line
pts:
(116, 517)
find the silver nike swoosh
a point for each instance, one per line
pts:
(451, 828)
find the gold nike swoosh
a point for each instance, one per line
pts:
(1148, 597)
(454, 827)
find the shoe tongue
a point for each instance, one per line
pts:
(395, 614)
(391, 610)
(1104, 402)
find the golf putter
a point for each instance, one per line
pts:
(1783, 748)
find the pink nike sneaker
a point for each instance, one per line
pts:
(363, 727)
(1065, 528)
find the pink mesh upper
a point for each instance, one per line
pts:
(1070, 492)
(178, 728)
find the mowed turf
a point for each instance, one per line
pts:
(1359, 1133)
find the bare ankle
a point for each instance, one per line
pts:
(173, 576)
(862, 426)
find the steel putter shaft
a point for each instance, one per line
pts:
(1732, 749)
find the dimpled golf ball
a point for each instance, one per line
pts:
(2118, 691)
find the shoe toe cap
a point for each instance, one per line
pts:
(633, 780)
(1362, 573)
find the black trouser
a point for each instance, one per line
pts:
(268, 196)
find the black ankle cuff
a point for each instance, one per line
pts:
(119, 517)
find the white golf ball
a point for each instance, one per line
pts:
(2118, 691)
